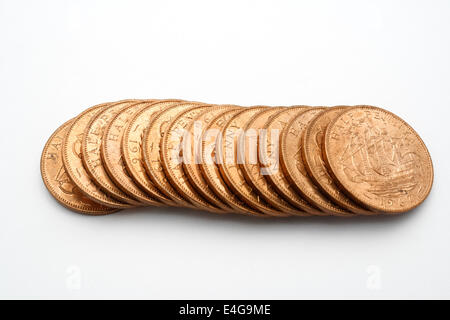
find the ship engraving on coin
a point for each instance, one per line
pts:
(59, 183)
(378, 159)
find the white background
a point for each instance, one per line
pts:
(60, 57)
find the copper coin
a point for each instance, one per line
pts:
(91, 152)
(176, 139)
(132, 147)
(269, 158)
(74, 164)
(59, 183)
(378, 159)
(209, 164)
(293, 165)
(152, 155)
(193, 158)
(112, 157)
(315, 165)
(234, 144)
(253, 172)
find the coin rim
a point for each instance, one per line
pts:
(164, 153)
(265, 207)
(144, 198)
(286, 167)
(95, 177)
(153, 190)
(348, 190)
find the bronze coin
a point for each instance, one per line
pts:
(269, 158)
(91, 152)
(59, 183)
(152, 154)
(315, 165)
(74, 164)
(175, 140)
(111, 153)
(234, 144)
(132, 147)
(378, 159)
(293, 166)
(209, 164)
(253, 172)
(193, 158)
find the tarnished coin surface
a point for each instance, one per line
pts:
(59, 183)
(209, 164)
(253, 172)
(111, 153)
(74, 164)
(91, 152)
(152, 151)
(378, 159)
(315, 165)
(233, 147)
(175, 141)
(293, 166)
(132, 147)
(269, 158)
(193, 157)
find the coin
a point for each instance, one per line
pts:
(111, 153)
(132, 147)
(175, 141)
(91, 152)
(315, 165)
(209, 164)
(269, 156)
(152, 155)
(293, 165)
(193, 156)
(253, 172)
(234, 145)
(74, 165)
(378, 159)
(58, 182)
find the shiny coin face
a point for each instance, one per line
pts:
(209, 164)
(192, 155)
(174, 143)
(91, 152)
(269, 155)
(112, 157)
(132, 147)
(152, 151)
(234, 145)
(378, 159)
(72, 159)
(253, 171)
(315, 165)
(293, 166)
(58, 181)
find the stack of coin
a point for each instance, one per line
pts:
(258, 161)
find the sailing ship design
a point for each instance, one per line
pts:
(374, 157)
